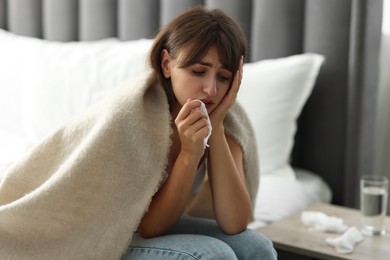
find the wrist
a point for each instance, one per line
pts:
(189, 159)
(217, 135)
(218, 130)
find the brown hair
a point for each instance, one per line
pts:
(199, 29)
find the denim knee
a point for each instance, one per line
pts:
(179, 247)
(251, 245)
(257, 246)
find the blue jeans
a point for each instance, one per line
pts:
(197, 238)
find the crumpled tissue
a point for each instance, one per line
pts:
(346, 242)
(321, 222)
(203, 108)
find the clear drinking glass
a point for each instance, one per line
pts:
(373, 203)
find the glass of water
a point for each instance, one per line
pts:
(373, 203)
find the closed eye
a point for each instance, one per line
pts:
(198, 72)
(223, 78)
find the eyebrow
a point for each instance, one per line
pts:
(208, 64)
(205, 63)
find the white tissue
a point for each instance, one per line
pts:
(203, 108)
(345, 243)
(322, 222)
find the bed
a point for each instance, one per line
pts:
(308, 85)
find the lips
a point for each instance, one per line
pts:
(208, 102)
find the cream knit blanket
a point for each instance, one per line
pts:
(82, 191)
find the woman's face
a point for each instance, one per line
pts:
(207, 80)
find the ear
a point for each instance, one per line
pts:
(165, 63)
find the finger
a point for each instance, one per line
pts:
(240, 71)
(201, 126)
(191, 119)
(196, 115)
(238, 76)
(235, 85)
(187, 109)
(241, 68)
(197, 131)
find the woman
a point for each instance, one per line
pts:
(198, 58)
(131, 168)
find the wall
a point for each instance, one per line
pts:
(382, 163)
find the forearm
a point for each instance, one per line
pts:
(169, 202)
(232, 205)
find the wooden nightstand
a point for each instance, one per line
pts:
(290, 235)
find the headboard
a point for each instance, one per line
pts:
(334, 137)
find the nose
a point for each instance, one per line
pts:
(210, 86)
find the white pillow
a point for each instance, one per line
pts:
(10, 84)
(65, 78)
(12, 147)
(273, 92)
(52, 81)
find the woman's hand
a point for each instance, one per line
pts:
(218, 115)
(192, 128)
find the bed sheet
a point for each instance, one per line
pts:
(279, 197)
